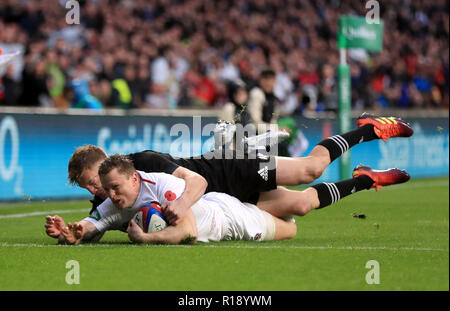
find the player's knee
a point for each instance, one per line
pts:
(317, 172)
(310, 177)
(302, 208)
(303, 175)
(308, 174)
(317, 166)
(316, 169)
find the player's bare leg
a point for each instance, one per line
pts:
(283, 202)
(299, 171)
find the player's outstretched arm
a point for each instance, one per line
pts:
(196, 185)
(184, 232)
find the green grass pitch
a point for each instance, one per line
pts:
(406, 230)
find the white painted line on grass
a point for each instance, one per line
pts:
(20, 204)
(328, 247)
(44, 213)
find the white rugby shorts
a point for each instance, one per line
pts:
(241, 221)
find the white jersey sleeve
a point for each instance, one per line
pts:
(107, 217)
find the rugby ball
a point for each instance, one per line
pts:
(150, 218)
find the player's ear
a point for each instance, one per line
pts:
(135, 176)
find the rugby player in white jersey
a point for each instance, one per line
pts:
(215, 217)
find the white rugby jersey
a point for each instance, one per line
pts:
(218, 216)
(155, 187)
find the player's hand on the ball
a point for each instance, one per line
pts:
(134, 231)
(54, 225)
(174, 211)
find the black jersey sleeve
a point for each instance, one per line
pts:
(153, 162)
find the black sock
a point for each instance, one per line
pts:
(339, 144)
(330, 193)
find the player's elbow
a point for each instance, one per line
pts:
(292, 230)
(192, 178)
(204, 182)
(200, 182)
(190, 232)
(184, 233)
(188, 239)
(184, 237)
(285, 230)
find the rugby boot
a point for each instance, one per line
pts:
(382, 178)
(386, 127)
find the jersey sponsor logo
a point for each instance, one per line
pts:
(95, 215)
(264, 173)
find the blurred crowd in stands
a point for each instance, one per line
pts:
(193, 53)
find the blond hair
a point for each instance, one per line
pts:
(83, 158)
